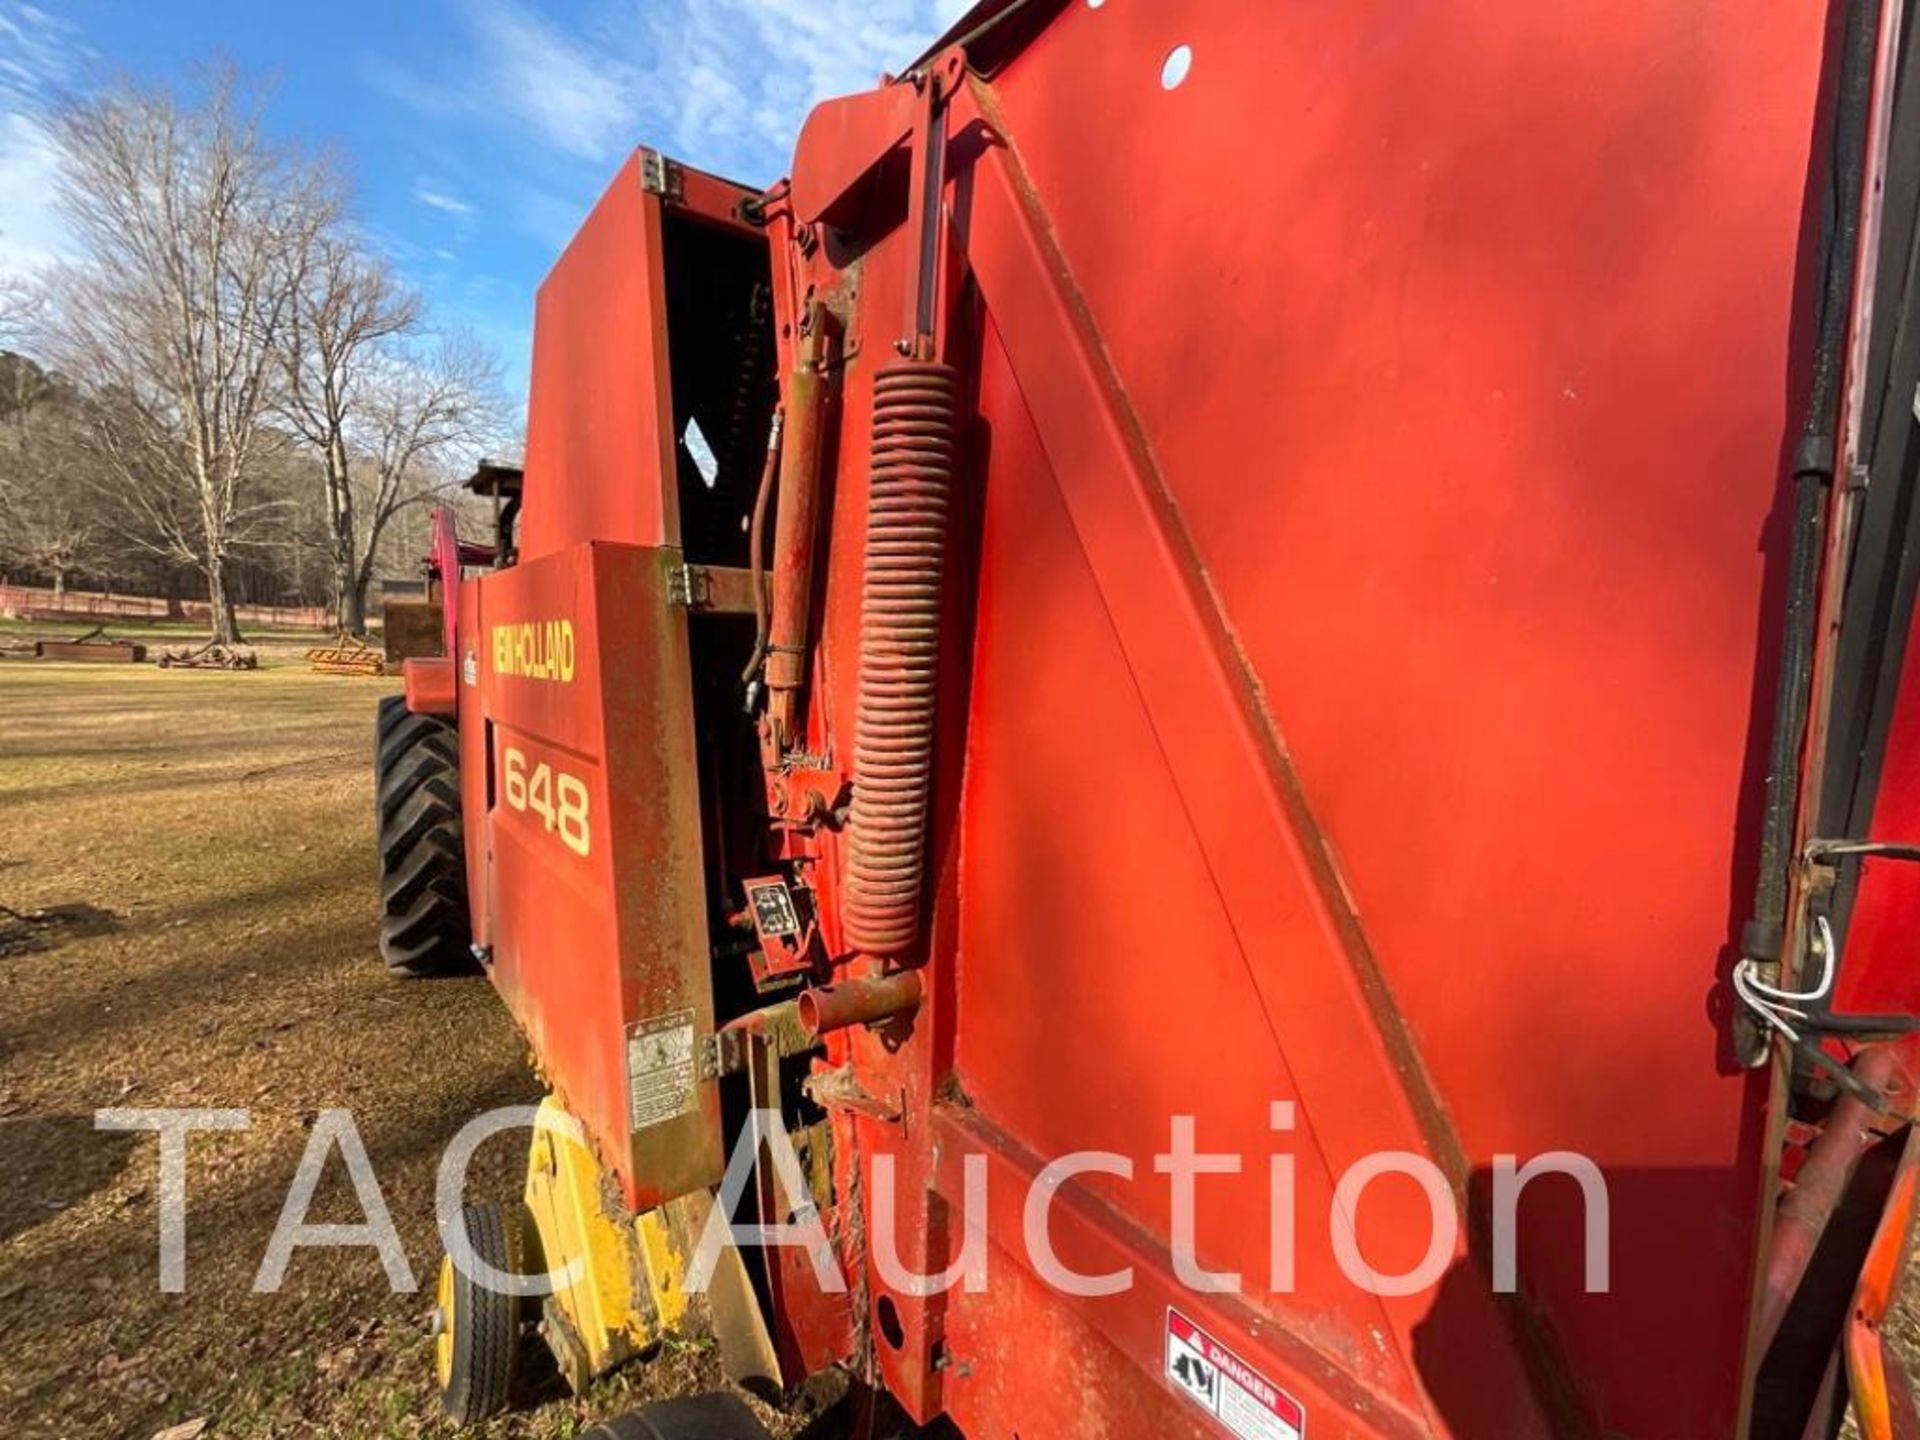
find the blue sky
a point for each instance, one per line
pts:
(477, 131)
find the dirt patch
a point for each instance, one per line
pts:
(21, 932)
(187, 875)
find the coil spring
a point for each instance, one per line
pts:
(915, 429)
(746, 436)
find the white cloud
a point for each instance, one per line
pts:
(728, 82)
(579, 99)
(439, 198)
(39, 57)
(721, 84)
(39, 54)
(32, 233)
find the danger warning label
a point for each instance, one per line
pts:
(660, 1069)
(1227, 1388)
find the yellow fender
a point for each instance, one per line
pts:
(619, 1279)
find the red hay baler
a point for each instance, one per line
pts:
(1241, 673)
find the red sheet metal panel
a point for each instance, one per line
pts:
(1093, 985)
(1205, 984)
(1430, 397)
(476, 760)
(1054, 920)
(589, 820)
(600, 438)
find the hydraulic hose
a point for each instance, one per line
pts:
(1764, 934)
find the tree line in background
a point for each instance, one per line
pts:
(231, 392)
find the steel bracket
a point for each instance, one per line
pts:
(689, 587)
(716, 589)
(661, 176)
(777, 1028)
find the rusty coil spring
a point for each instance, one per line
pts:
(915, 427)
(753, 383)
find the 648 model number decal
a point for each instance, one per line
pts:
(560, 798)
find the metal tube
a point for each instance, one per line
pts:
(859, 1002)
(756, 550)
(1818, 1189)
(796, 521)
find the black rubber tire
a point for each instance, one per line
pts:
(424, 924)
(485, 1323)
(720, 1416)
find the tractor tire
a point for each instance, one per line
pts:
(719, 1416)
(477, 1329)
(424, 924)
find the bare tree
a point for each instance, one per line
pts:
(50, 517)
(19, 301)
(48, 527)
(345, 316)
(423, 418)
(23, 387)
(197, 233)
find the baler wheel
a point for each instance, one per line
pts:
(719, 1416)
(424, 929)
(476, 1330)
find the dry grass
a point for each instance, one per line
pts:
(207, 837)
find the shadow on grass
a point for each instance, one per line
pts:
(96, 1291)
(53, 1163)
(192, 980)
(33, 932)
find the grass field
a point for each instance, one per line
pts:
(206, 838)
